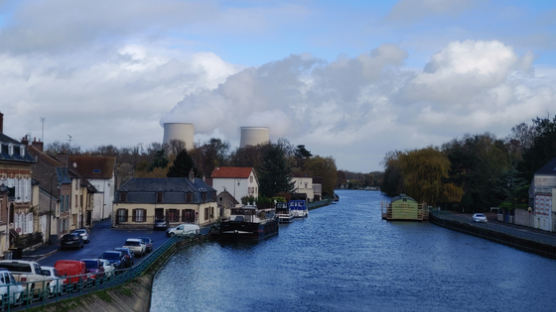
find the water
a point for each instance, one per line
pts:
(344, 257)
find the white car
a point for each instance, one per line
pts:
(479, 217)
(136, 245)
(108, 268)
(7, 281)
(184, 229)
(56, 283)
(84, 233)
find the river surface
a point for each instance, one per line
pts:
(344, 257)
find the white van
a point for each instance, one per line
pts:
(184, 229)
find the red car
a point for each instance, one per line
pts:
(73, 270)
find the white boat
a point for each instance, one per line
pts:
(283, 213)
(298, 208)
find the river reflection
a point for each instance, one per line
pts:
(344, 257)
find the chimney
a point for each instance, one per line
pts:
(37, 144)
(25, 140)
(1, 123)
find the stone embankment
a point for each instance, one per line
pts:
(531, 240)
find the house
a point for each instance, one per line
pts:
(238, 181)
(303, 187)
(15, 176)
(226, 202)
(99, 171)
(141, 201)
(317, 191)
(403, 207)
(542, 192)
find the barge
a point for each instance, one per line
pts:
(249, 223)
(283, 213)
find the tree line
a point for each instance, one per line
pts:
(475, 172)
(274, 163)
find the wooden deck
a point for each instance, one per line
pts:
(405, 213)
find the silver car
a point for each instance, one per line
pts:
(84, 233)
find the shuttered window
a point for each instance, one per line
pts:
(172, 215)
(139, 215)
(121, 215)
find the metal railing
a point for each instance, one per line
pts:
(19, 296)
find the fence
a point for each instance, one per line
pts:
(19, 296)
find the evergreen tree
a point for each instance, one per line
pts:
(274, 172)
(182, 165)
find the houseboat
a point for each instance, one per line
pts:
(298, 208)
(404, 208)
(283, 213)
(250, 223)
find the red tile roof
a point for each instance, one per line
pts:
(231, 172)
(93, 167)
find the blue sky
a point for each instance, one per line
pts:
(349, 79)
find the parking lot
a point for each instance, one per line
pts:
(103, 237)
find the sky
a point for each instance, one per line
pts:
(352, 80)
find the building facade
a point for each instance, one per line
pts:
(141, 201)
(240, 182)
(542, 192)
(303, 186)
(99, 172)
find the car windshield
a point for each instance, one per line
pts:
(132, 243)
(110, 255)
(91, 264)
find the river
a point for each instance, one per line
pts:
(344, 257)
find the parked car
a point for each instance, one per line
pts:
(84, 233)
(184, 229)
(7, 281)
(148, 243)
(26, 272)
(109, 269)
(115, 258)
(136, 246)
(479, 217)
(72, 270)
(56, 283)
(130, 259)
(72, 240)
(94, 268)
(160, 224)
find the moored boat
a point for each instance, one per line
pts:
(298, 208)
(250, 223)
(283, 213)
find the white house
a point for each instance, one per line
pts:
(238, 181)
(543, 190)
(303, 185)
(99, 170)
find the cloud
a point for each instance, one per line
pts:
(372, 100)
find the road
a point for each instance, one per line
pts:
(531, 234)
(102, 238)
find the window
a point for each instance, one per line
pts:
(76, 201)
(188, 197)
(139, 215)
(159, 213)
(251, 179)
(81, 201)
(172, 215)
(188, 216)
(77, 184)
(121, 215)
(206, 213)
(211, 212)
(123, 196)
(204, 196)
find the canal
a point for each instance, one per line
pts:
(344, 257)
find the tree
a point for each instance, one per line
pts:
(392, 183)
(323, 170)
(542, 149)
(209, 156)
(182, 165)
(274, 172)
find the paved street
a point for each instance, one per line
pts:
(102, 238)
(547, 238)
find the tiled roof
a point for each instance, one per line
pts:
(549, 168)
(144, 190)
(231, 172)
(93, 167)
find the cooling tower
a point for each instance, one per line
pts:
(253, 136)
(179, 131)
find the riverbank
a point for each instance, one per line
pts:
(543, 244)
(319, 204)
